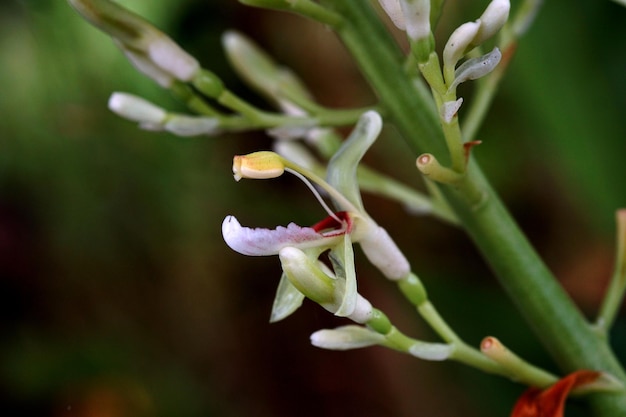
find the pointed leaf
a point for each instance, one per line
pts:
(342, 258)
(288, 299)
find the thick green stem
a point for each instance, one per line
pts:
(555, 319)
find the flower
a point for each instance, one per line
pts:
(349, 223)
(342, 187)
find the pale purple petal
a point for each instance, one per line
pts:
(265, 242)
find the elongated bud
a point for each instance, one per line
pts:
(431, 351)
(259, 70)
(258, 165)
(458, 42)
(413, 290)
(492, 20)
(346, 337)
(307, 277)
(137, 109)
(383, 253)
(208, 83)
(181, 125)
(416, 18)
(394, 11)
(151, 51)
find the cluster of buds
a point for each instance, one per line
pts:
(415, 16)
(151, 51)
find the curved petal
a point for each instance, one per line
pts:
(266, 242)
(288, 299)
(342, 167)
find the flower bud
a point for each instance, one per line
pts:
(151, 51)
(251, 62)
(383, 253)
(458, 43)
(416, 18)
(492, 20)
(258, 165)
(307, 277)
(208, 83)
(169, 57)
(394, 11)
(431, 351)
(181, 125)
(346, 337)
(137, 109)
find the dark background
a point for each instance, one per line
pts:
(118, 297)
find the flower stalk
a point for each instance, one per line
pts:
(557, 322)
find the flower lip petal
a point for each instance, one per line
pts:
(266, 242)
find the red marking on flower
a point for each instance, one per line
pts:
(551, 401)
(331, 227)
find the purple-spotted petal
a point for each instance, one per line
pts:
(265, 242)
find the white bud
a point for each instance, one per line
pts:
(394, 11)
(383, 253)
(147, 67)
(346, 337)
(458, 42)
(192, 126)
(171, 58)
(417, 18)
(363, 311)
(492, 20)
(431, 351)
(136, 109)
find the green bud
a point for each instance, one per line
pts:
(307, 277)
(379, 322)
(413, 289)
(208, 83)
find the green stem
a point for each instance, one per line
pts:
(617, 286)
(557, 322)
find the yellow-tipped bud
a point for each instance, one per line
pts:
(258, 165)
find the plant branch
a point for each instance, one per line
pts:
(557, 322)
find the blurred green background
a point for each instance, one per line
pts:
(119, 298)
